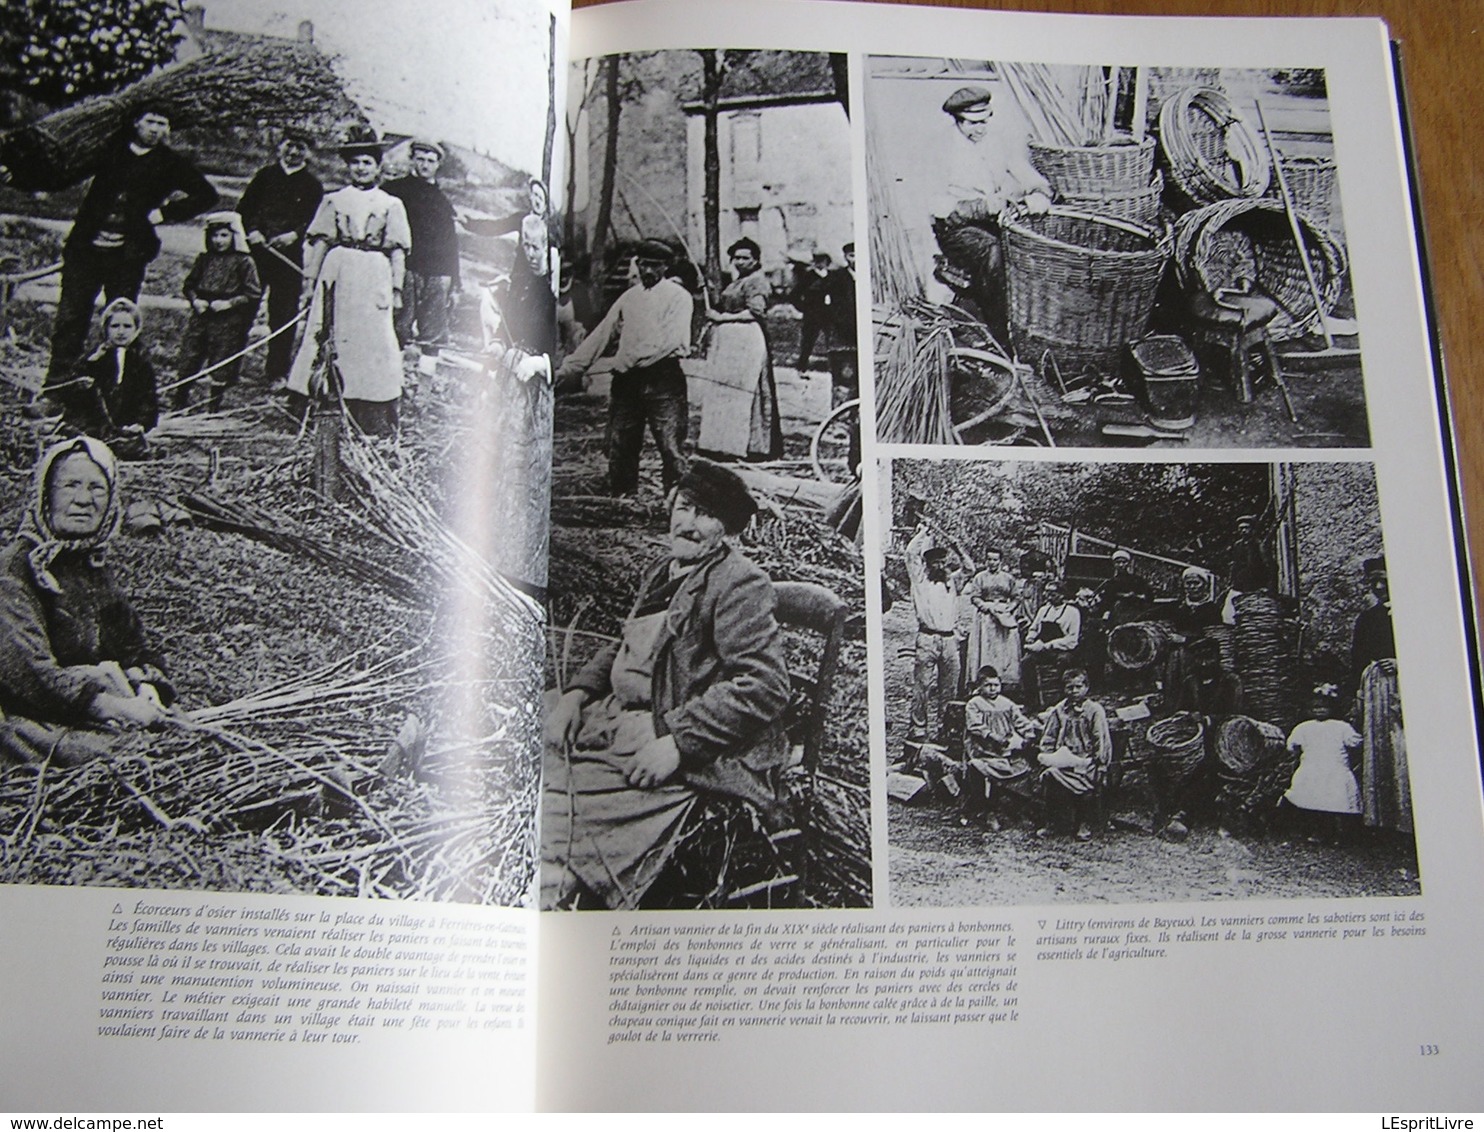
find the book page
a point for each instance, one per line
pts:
(1155, 539)
(273, 614)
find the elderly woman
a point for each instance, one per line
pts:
(690, 700)
(739, 418)
(354, 265)
(75, 661)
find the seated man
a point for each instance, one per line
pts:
(691, 699)
(75, 662)
(998, 737)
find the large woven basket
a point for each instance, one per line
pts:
(1080, 284)
(1236, 244)
(1118, 168)
(1136, 645)
(1311, 184)
(1166, 82)
(1211, 151)
(1139, 205)
(1179, 741)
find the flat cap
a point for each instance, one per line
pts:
(655, 251)
(720, 492)
(967, 99)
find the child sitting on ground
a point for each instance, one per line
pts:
(113, 395)
(223, 289)
(997, 734)
(1076, 752)
(1324, 789)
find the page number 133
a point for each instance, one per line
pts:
(1428, 1050)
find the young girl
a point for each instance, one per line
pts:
(223, 290)
(1324, 784)
(113, 395)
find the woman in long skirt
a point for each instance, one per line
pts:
(995, 642)
(356, 248)
(739, 415)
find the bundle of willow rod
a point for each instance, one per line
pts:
(912, 382)
(407, 519)
(1062, 105)
(893, 278)
(295, 768)
(265, 81)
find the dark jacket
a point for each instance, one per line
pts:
(44, 636)
(276, 202)
(430, 215)
(225, 275)
(720, 677)
(114, 400)
(129, 186)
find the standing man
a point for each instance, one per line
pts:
(937, 586)
(1373, 638)
(811, 296)
(139, 182)
(988, 170)
(433, 263)
(276, 208)
(652, 320)
(840, 309)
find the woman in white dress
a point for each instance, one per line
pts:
(995, 642)
(355, 252)
(739, 416)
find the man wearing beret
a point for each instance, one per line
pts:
(937, 590)
(690, 701)
(139, 184)
(988, 171)
(276, 208)
(652, 321)
(433, 263)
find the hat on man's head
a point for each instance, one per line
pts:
(720, 492)
(849, 249)
(1121, 555)
(1375, 565)
(935, 554)
(360, 141)
(300, 134)
(967, 100)
(426, 146)
(655, 251)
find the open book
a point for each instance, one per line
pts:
(580, 560)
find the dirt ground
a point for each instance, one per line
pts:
(935, 861)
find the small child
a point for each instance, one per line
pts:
(996, 735)
(223, 290)
(113, 395)
(1324, 785)
(1076, 752)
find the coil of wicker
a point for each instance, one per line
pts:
(1211, 151)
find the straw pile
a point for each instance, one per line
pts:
(257, 83)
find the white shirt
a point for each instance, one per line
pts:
(652, 323)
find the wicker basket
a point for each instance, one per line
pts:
(1179, 742)
(1211, 152)
(1121, 167)
(1236, 244)
(1166, 82)
(1080, 284)
(1139, 205)
(1135, 645)
(1311, 184)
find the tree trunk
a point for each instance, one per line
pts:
(712, 71)
(604, 220)
(551, 89)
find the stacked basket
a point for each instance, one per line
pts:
(1115, 179)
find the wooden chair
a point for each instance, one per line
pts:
(727, 858)
(1225, 334)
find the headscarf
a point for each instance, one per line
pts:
(36, 527)
(1205, 576)
(231, 221)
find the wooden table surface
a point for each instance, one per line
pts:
(1443, 66)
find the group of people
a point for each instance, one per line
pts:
(650, 329)
(371, 269)
(1032, 731)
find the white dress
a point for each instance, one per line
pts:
(354, 292)
(1324, 780)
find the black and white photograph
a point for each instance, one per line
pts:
(706, 745)
(1138, 682)
(278, 302)
(1110, 256)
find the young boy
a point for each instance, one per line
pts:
(1324, 785)
(223, 290)
(112, 395)
(997, 734)
(1076, 752)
